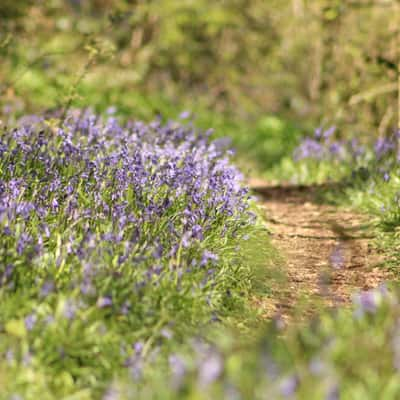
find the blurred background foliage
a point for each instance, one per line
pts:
(308, 63)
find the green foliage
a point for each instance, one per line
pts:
(307, 61)
(348, 354)
(12, 10)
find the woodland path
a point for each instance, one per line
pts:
(327, 252)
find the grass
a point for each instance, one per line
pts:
(306, 362)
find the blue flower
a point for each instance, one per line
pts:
(289, 385)
(30, 321)
(210, 368)
(104, 302)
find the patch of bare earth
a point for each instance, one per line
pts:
(327, 252)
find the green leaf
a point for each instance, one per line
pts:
(16, 327)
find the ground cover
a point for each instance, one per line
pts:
(118, 241)
(351, 354)
(114, 293)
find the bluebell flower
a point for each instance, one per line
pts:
(30, 321)
(333, 393)
(210, 369)
(288, 386)
(184, 115)
(329, 132)
(386, 177)
(367, 302)
(383, 146)
(47, 288)
(138, 347)
(104, 302)
(207, 257)
(70, 309)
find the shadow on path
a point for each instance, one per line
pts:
(295, 193)
(327, 250)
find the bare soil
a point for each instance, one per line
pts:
(327, 252)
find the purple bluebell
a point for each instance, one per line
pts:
(367, 302)
(328, 133)
(288, 386)
(138, 347)
(333, 393)
(208, 257)
(309, 148)
(47, 288)
(210, 368)
(70, 309)
(23, 242)
(30, 321)
(318, 133)
(386, 177)
(185, 115)
(383, 146)
(336, 149)
(166, 333)
(104, 302)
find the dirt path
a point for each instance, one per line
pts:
(327, 252)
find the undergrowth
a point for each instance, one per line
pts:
(118, 242)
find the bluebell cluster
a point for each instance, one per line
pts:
(124, 233)
(323, 145)
(91, 195)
